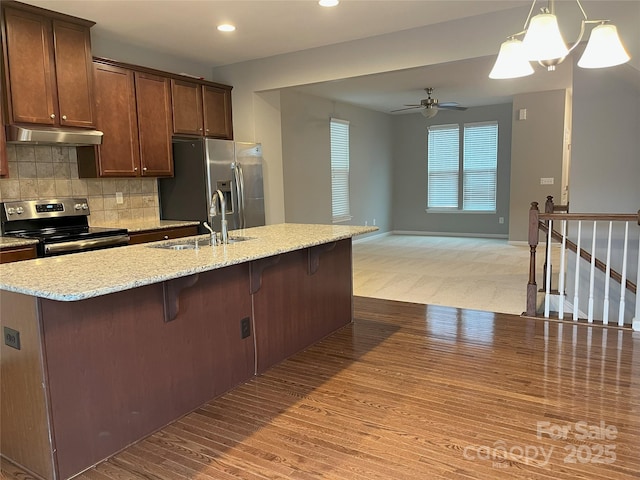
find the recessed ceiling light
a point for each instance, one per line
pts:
(328, 3)
(226, 27)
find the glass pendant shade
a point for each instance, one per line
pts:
(604, 48)
(543, 40)
(511, 62)
(429, 112)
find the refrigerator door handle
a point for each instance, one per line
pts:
(240, 193)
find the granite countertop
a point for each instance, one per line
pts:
(143, 225)
(90, 274)
(8, 242)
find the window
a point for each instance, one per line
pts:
(340, 170)
(462, 180)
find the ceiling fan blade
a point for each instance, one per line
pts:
(451, 107)
(448, 104)
(408, 108)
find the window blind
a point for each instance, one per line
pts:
(443, 165)
(480, 165)
(340, 170)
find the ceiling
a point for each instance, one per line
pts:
(264, 27)
(186, 28)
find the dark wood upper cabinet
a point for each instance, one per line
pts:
(47, 64)
(4, 163)
(134, 113)
(187, 108)
(217, 112)
(203, 110)
(116, 116)
(153, 101)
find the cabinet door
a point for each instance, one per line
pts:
(74, 78)
(119, 154)
(217, 112)
(153, 100)
(30, 68)
(4, 165)
(187, 107)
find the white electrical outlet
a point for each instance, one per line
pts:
(501, 220)
(119, 199)
(546, 181)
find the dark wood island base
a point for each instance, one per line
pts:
(96, 375)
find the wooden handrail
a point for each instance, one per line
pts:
(605, 217)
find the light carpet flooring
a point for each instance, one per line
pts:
(473, 273)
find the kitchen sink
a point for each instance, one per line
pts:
(191, 244)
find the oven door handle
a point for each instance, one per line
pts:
(79, 245)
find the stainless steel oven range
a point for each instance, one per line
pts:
(60, 226)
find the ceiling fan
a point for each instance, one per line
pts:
(430, 106)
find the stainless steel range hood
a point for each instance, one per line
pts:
(52, 136)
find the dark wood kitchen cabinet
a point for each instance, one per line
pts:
(153, 102)
(201, 109)
(159, 234)
(15, 254)
(4, 162)
(299, 298)
(114, 369)
(134, 113)
(47, 60)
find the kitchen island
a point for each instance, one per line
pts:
(127, 340)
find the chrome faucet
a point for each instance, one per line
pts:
(213, 212)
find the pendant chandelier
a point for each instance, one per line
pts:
(543, 43)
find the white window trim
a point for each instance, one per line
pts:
(344, 204)
(459, 209)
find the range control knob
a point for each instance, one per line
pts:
(78, 206)
(11, 211)
(85, 206)
(19, 210)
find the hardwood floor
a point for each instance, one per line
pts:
(410, 391)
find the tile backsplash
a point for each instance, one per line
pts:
(43, 172)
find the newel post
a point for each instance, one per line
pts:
(532, 288)
(548, 205)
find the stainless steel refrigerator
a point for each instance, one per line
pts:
(205, 165)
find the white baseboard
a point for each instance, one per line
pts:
(449, 234)
(368, 238)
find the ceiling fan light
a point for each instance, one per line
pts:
(543, 40)
(429, 112)
(604, 48)
(511, 61)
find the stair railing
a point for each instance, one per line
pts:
(558, 215)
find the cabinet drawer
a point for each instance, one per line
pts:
(15, 254)
(162, 234)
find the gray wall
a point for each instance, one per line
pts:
(537, 152)
(605, 170)
(410, 175)
(307, 161)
